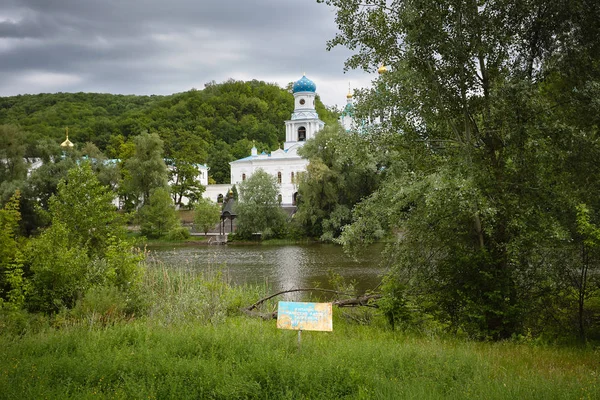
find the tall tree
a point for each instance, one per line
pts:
(219, 157)
(12, 283)
(258, 207)
(13, 168)
(84, 246)
(146, 169)
(206, 215)
(474, 135)
(159, 216)
(343, 170)
(86, 209)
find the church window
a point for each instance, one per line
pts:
(292, 177)
(301, 134)
(279, 177)
(302, 102)
(220, 198)
(243, 177)
(279, 198)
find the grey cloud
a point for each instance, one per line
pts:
(158, 46)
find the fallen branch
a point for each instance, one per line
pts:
(258, 303)
(364, 301)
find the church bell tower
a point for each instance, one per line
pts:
(305, 122)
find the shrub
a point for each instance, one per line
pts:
(179, 233)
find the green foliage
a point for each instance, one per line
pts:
(159, 216)
(218, 160)
(183, 178)
(85, 207)
(13, 286)
(84, 246)
(490, 144)
(258, 209)
(101, 305)
(206, 215)
(342, 171)
(146, 169)
(192, 124)
(13, 168)
(59, 269)
(179, 233)
(187, 358)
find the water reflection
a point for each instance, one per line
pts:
(290, 272)
(280, 267)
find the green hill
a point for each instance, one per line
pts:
(218, 124)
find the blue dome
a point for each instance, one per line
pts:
(304, 85)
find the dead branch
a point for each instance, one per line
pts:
(360, 301)
(258, 303)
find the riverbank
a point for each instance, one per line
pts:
(185, 337)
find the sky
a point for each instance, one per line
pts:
(168, 46)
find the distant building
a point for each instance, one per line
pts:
(347, 116)
(284, 164)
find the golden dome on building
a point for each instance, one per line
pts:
(67, 143)
(382, 69)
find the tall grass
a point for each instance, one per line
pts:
(243, 358)
(190, 341)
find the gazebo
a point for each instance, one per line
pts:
(227, 214)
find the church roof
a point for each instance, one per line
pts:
(304, 85)
(348, 110)
(277, 154)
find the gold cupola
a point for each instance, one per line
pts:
(382, 69)
(67, 143)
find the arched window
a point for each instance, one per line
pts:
(243, 177)
(292, 177)
(279, 198)
(220, 198)
(301, 134)
(279, 177)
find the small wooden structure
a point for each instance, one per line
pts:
(227, 214)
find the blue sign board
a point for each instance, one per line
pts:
(304, 316)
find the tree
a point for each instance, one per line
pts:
(342, 171)
(474, 127)
(258, 208)
(184, 178)
(86, 209)
(12, 153)
(84, 247)
(206, 215)
(219, 157)
(146, 169)
(159, 216)
(12, 283)
(107, 171)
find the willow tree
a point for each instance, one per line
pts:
(478, 115)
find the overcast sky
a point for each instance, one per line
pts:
(168, 46)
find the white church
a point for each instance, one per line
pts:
(285, 164)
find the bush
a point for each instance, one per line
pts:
(179, 233)
(101, 304)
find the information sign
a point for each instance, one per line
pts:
(304, 316)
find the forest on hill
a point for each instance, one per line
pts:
(211, 126)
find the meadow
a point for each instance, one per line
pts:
(190, 340)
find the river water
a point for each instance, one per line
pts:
(279, 267)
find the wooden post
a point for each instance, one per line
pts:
(299, 339)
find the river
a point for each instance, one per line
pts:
(279, 267)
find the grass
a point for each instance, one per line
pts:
(192, 342)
